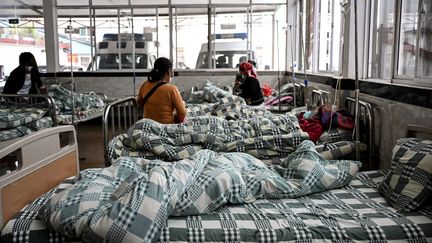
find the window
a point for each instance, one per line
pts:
(267, 26)
(321, 31)
(329, 36)
(191, 28)
(415, 48)
(27, 35)
(74, 31)
(382, 39)
(425, 40)
(97, 34)
(408, 38)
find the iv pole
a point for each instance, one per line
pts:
(278, 64)
(292, 66)
(306, 81)
(72, 82)
(357, 91)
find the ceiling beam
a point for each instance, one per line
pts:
(34, 8)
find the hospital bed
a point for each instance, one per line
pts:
(35, 164)
(366, 118)
(23, 114)
(286, 100)
(356, 213)
(88, 105)
(121, 115)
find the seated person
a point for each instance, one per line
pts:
(126, 63)
(162, 101)
(25, 79)
(249, 85)
(109, 61)
(221, 62)
(142, 63)
(242, 59)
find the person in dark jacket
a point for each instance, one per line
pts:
(25, 79)
(249, 84)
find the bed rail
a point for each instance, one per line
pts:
(301, 94)
(118, 116)
(320, 97)
(30, 101)
(418, 131)
(366, 119)
(52, 151)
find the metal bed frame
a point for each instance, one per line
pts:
(367, 121)
(118, 116)
(30, 101)
(320, 97)
(418, 131)
(366, 118)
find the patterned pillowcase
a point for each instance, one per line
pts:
(335, 135)
(409, 181)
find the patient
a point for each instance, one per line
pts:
(162, 101)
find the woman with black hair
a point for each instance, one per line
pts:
(162, 101)
(25, 79)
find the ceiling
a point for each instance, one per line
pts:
(80, 8)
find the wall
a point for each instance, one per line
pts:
(391, 119)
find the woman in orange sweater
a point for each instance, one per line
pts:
(162, 101)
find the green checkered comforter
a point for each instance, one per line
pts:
(231, 108)
(356, 212)
(86, 105)
(131, 200)
(215, 101)
(210, 93)
(18, 122)
(14, 117)
(262, 137)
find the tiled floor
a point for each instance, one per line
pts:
(90, 144)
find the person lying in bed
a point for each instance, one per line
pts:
(25, 79)
(161, 100)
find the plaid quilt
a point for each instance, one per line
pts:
(131, 200)
(210, 93)
(86, 105)
(37, 125)
(14, 117)
(79, 116)
(231, 108)
(335, 134)
(356, 212)
(262, 137)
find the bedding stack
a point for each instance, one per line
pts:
(18, 122)
(86, 105)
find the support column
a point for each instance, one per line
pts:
(171, 37)
(51, 37)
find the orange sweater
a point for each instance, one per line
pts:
(162, 103)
